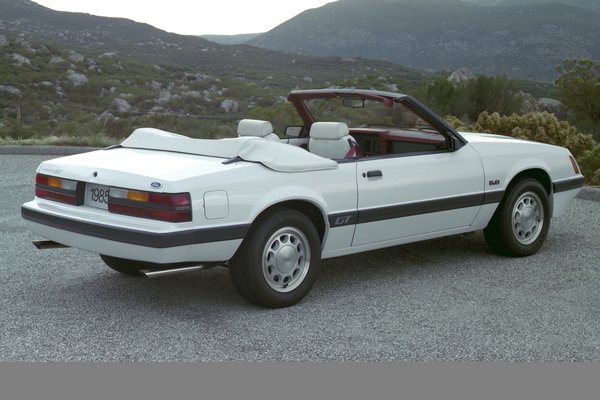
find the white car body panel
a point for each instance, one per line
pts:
(417, 197)
(332, 191)
(418, 179)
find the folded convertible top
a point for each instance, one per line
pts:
(272, 154)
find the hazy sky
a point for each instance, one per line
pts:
(194, 17)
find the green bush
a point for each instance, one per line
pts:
(590, 166)
(279, 115)
(538, 126)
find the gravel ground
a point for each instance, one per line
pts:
(449, 299)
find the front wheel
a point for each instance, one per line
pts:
(520, 224)
(278, 261)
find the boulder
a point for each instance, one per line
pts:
(3, 41)
(164, 98)
(26, 45)
(121, 105)
(10, 90)
(393, 87)
(194, 77)
(78, 79)
(461, 75)
(551, 105)
(156, 85)
(156, 110)
(193, 93)
(92, 65)
(229, 106)
(56, 60)
(75, 57)
(529, 103)
(107, 55)
(21, 60)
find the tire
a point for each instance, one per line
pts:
(124, 266)
(520, 224)
(278, 262)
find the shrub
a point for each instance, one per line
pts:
(540, 127)
(590, 166)
(280, 115)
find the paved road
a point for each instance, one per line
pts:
(447, 299)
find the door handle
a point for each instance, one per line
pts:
(373, 174)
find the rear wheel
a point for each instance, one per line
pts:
(278, 261)
(520, 225)
(124, 266)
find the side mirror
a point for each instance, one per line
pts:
(293, 131)
(453, 143)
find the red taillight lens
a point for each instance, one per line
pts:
(171, 207)
(56, 189)
(574, 164)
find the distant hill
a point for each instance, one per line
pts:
(231, 39)
(96, 78)
(523, 41)
(143, 43)
(593, 5)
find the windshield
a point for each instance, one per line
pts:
(364, 113)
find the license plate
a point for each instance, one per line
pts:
(96, 195)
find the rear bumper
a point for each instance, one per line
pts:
(188, 245)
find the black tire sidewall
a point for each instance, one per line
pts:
(247, 263)
(512, 246)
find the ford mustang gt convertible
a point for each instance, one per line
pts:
(364, 170)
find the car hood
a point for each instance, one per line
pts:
(487, 137)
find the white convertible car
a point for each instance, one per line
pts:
(365, 170)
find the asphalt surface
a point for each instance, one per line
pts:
(448, 299)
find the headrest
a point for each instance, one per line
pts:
(254, 127)
(329, 130)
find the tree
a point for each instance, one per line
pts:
(469, 99)
(578, 88)
(494, 94)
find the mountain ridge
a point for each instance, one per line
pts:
(592, 5)
(144, 43)
(524, 41)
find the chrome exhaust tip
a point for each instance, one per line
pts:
(159, 273)
(48, 244)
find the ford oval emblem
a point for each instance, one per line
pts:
(156, 185)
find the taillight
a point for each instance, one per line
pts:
(171, 207)
(574, 164)
(57, 189)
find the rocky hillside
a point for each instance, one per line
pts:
(47, 89)
(143, 43)
(524, 41)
